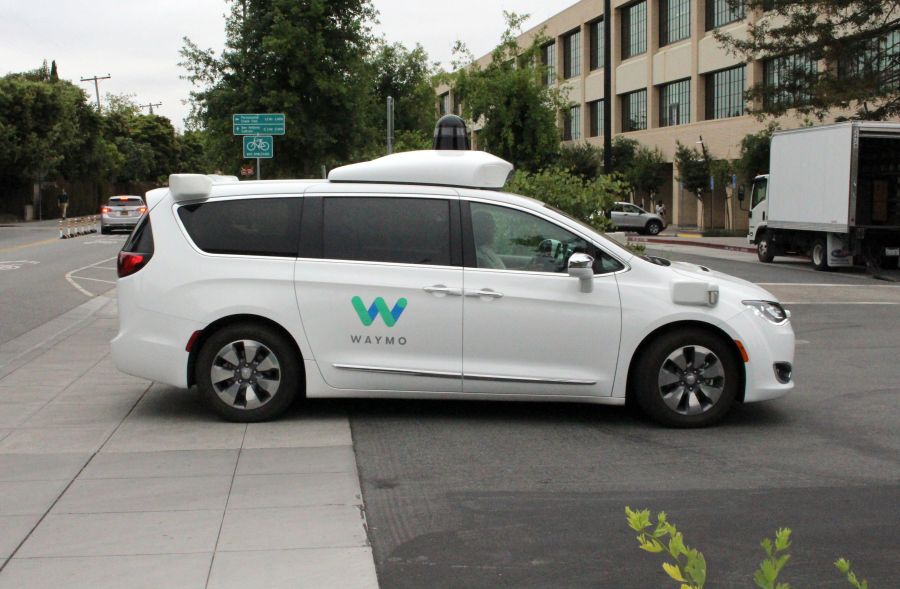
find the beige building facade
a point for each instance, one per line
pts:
(672, 82)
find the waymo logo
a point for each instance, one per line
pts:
(378, 307)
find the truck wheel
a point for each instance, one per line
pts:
(687, 378)
(248, 372)
(654, 227)
(764, 250)
(819, 254)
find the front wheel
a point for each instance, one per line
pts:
(654, 227)
(764, 250)
(248, 372)
(687, 378)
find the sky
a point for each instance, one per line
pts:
(137, 43)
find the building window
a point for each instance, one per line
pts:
(548, 59)
(674, 21)
(634, 29)
(725, 93)
(722, 12)
(787, 80)
(675, 103)
(572, 55)
(444, 103)
(597, 44)
(596, 115)
(572, 124)
(634, 111)
(877, 65)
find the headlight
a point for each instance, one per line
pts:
(769, 310)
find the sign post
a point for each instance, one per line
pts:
(258, 130)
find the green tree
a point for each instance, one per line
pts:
(307, 59)
(582, 198)
(515, 110)
(754, 158)
(647, 171)
(581, 159)
(623, 152)
(857, 40)
(404, 74)
(692, 169)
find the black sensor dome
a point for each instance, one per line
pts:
(451, 133)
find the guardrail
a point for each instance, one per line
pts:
(77, 226)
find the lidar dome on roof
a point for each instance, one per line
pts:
(470, 169)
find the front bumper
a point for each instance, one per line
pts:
(767, 345)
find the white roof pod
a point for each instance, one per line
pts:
(470, 169)
(195, 186)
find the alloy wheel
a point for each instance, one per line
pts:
(245, 374)
(691, 380)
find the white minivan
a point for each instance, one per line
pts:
(411, 276)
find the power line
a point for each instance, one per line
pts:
(95, 80)
(150, 106)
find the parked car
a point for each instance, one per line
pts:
(412, 276)
(630, 217)
(121, 212)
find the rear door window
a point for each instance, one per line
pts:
(247, 226)
(387, 229)
(125, 202)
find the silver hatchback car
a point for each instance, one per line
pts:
(630, 217)
(121, 212)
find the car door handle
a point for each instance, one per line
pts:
(485, 293)
(441, 290)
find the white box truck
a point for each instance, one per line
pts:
(832, 193)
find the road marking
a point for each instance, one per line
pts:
(95, 279)
(69, 276)
(841, 303)
(13, 248)
(828, 285)
(15, 264)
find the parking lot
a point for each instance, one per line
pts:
(111, 481)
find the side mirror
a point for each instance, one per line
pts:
(741, 193)
(581, 266)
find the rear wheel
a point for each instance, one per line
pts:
(654, 227)
(819, 254)
(764, 250)
(687, 378)
(105, 230)
(248, 372)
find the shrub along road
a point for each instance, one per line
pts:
(475, 494)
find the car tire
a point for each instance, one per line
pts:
(819, 254)
(764, 250)
(105, 230)
(673, 389)
(260, 387)
(653, 228)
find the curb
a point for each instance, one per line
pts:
(718, 246)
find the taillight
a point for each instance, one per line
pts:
(142, 210)
(104, 210)
(129, 263)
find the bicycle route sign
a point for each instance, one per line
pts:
(257, 124)
(258, 146)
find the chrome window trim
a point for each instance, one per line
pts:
(444, 374)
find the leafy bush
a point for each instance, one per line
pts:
(581, 159)
(583, 199)
(689, 566)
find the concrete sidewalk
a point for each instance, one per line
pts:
(734, 244)
(111, 481)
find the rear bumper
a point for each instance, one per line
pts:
(108, 221)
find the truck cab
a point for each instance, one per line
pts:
(758, 207)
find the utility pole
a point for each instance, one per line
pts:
(95, 80)
(390, 125)
(607, 87)
(151, 105)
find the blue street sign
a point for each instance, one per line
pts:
(258, 124)
(260, 146)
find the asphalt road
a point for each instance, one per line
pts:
(42, 276)
(476, 494)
